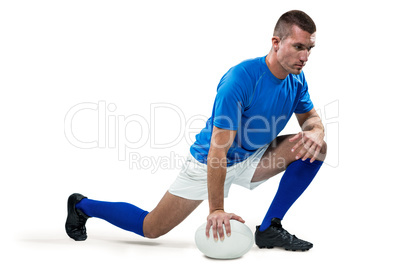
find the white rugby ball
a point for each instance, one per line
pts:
(235, 246)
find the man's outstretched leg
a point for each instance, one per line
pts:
(170, 211)
(296, 179)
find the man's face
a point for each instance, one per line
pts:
(294, 50)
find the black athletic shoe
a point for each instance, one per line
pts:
(276, 236)
(76, 219)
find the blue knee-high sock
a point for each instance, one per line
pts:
(295, 180)
(123, 215)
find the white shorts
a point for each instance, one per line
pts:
(191, 183)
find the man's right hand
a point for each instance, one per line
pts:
(216, 220)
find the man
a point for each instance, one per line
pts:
(240, 145)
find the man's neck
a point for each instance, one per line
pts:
(274, 66)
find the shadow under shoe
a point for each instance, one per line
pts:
(276, 236)
(76, 219)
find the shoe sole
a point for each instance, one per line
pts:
(287, 249)
(77, 235)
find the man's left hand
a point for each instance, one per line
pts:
(311, 143)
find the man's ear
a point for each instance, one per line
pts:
(275, 43)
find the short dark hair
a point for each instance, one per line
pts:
(283, 27)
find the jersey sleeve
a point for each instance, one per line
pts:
(231, 98)
(305, 104)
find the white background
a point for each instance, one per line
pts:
(57, 54)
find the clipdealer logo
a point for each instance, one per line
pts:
(127, 134)
(330, 116)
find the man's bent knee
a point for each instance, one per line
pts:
(323, 152)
